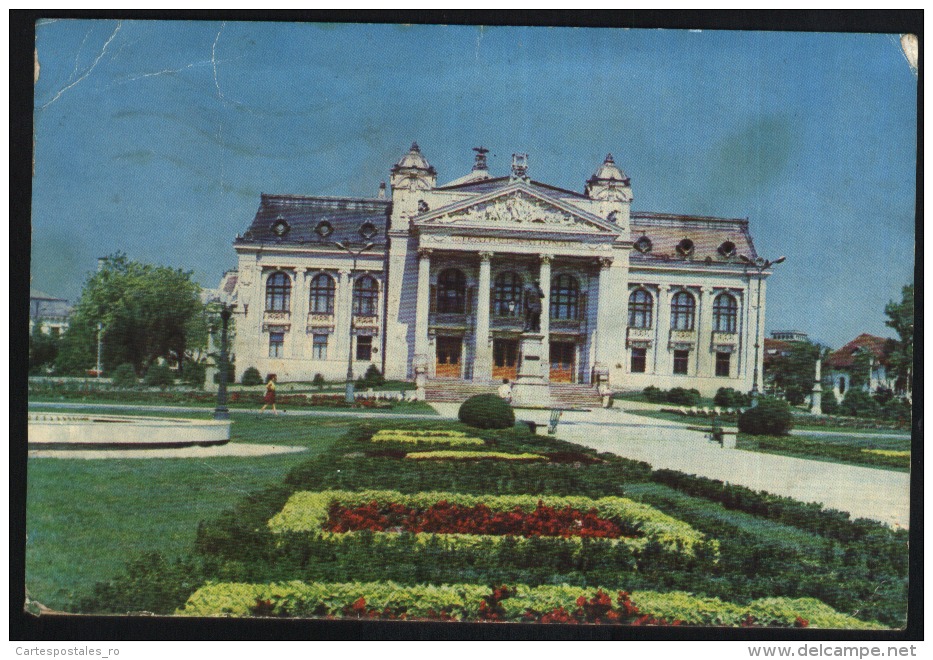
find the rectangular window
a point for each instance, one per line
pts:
(681, 358)
(638, 360)
(364, 348)
(722, 364)
(276, 344)
(319, 347)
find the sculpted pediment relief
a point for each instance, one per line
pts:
(517, 210)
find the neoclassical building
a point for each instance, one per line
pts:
(430, 281)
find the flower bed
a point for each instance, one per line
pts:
(890, 453)
(310, 512)
(447, 518)
(446, 455)
(519, 603)
(449, 438)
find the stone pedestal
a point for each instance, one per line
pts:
(816, 395)
(209, 373)
(531, 386)
(421, 377)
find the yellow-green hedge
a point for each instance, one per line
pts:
(449, 438)
(472, 456)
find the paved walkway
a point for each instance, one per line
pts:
(247, 411)
(864, 492)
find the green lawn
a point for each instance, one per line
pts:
(835, 449)
(86, 517)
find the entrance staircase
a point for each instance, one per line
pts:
(563, 395)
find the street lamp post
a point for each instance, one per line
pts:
(761, 265)
(345, 245)
(221, 412)
(100, 329)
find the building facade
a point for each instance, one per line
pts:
(430, 282)
(866, 353)
(51, 313)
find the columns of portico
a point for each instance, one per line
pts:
(300, 296)
(662, 353)
(544, 279)
(482, 354)
(610, 316)
(343, 316)
(422, 308)
(704, 363)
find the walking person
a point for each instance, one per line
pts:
(269, 399)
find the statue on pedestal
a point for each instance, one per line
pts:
(533, 295)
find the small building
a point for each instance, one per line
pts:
(788, 335)
(842, 364)
(51, 312)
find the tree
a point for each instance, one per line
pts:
(43, 349)
(146, 311)
(901, 319)
(793, 373)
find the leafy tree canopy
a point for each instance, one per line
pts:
(146, 312)
(793, 374)
(901, 319)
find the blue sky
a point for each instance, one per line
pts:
(156, 138)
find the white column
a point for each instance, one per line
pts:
(605, 324)
(544, 278)
(705, 334)
(339, 346)
(482, 353)
(298, 333)
(662, 359)
(423, 307)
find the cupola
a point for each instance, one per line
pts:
(609, 183)
(413, 171)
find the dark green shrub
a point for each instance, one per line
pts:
(883, 395)
(318, 381)
(727, 397)
(828, 404)
(124, 376)
(682, 397)
(194, 374)
(859, 403)
(795, 395)
(231, 373)
(251, 377)
(653, 394)
(372, 378)
(898, 410)
(486, 411)
(770, 417)
(159, 375)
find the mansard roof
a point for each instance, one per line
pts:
(296, 219)
(706, 237)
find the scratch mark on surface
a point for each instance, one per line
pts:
(47, 21)
(220, 94)
(90, 69)
(74, 71)
(225, 476)
(167, 71)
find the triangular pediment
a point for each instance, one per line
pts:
(516, 207)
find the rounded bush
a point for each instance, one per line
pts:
(125, 376)
(727, 397)
(653, 394)
(487, 411)
(251, 377)
(859, 403)
(194, 374)
(683, 397)
(828, 403)
(159, 375)
(770, 417)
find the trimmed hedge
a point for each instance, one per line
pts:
(452, 439)
(475, 602)
(251, 377)
(308, 511)
(770, 417)
(486, 411)
(124, 376)
(442, 455)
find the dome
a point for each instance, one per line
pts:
(609, 171)
(413, 160)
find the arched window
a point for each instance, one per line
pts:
(683, 308)
(507, 289)
(451, 292)
(639, 309)
(322, 294)
(565, 297)
(365, 295)
(278, 293)
(725, 312)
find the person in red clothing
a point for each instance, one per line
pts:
(269, 399)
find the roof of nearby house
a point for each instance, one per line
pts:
(775, 348)
(298, 218)
(844, 357)
(42, 305)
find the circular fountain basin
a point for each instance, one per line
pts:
(81, 431)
